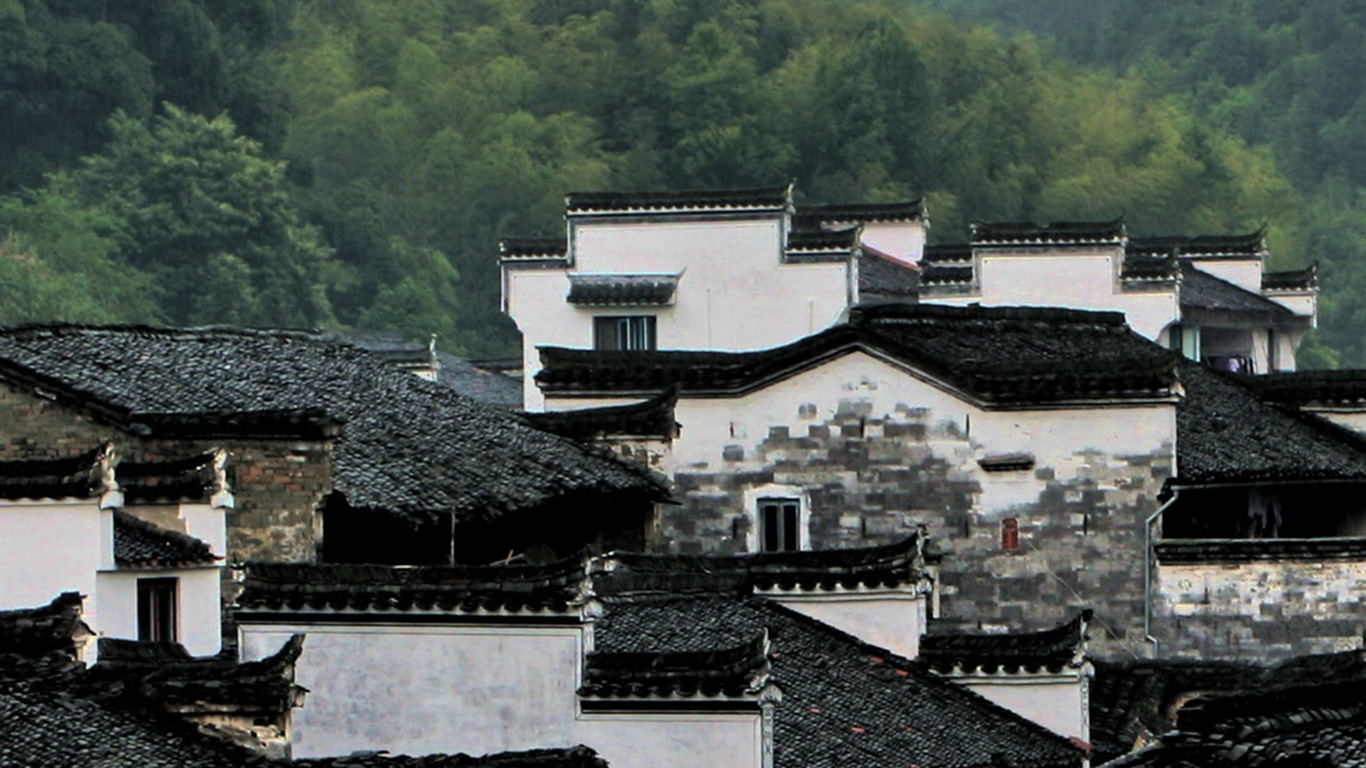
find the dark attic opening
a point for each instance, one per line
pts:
(352, 535)
(558, 529)
(1279, 511)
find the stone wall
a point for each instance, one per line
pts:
(278, 484)
(872, 454)
(1261, 609)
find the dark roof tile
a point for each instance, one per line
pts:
(776, 199)
(1248, 245)
(843, 702)
(140, 544)
(907, 210)
(533, 249)
(276, 587)
(1051, 650)
(650, 418)
(568, 757)
(732, 672)
(1226, 433)
(1306, 279)
(408, 446)
(1057, 233)
(884, 276)
(998, 355)
(1199, 290)
(592, 290)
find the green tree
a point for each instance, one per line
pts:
(208, 217)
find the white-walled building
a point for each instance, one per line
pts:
(142, 543)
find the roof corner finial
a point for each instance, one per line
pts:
(220, 496)
(106, 459)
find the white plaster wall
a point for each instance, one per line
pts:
(208, 524)
(734, 293)
(1058, 703)
(1053, 437)
(674, 740)
(419, 689)
(894, 620)
(198, 616)
(1300, 303)
(1354, 420)
(1081, 280)
(904, 240)
(1244, 273)
(50, 547)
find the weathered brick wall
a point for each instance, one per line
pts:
(278, 484)
(1260, 610)
(873, 464)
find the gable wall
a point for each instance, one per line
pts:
(277, 484)
(477, 688)
(734, 292)
(1083, 279)
(874, 452)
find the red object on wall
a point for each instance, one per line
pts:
(1010, 533)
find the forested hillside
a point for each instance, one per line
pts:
(1290, 76)
(354, 162)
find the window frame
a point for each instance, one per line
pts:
(158, 609)
(795, 530)
(638, 332)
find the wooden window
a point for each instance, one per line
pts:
(1010, 533)
(625, 332)
(157, 608)
(779, 525)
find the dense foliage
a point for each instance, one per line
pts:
(417, 132)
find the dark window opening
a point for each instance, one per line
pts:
(627, 332)
(1010, 533)
(778, 525)
(157, 610)
(1288, 511)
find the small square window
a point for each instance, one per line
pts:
(779, 525)
(157, 605)
(625, 332)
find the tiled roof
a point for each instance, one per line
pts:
(1051, 650)
(730, 672)
(72, 477)
(843, 240)
(289, 587)
(948, 253)
(593, 290)
(1306, 279)
(651, 418)
(1310, 388)
(889, 565)
(1313, 550)
(776, 199)
(164, 677)
(998, 355)
(140, 544)
(1146, 267)
(883, 276)
(190, 478)
(1248, 245)
(408, 446)
(533, 249)
(33, 633)
(1200, 290)
(1132, 702)
(568, 757)
(1249, 717)
(46, 728)
(1016, 233)
(1226, 433)
(843, 702)
(479, 383)
(908, 210)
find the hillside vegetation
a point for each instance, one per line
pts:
(354, 162)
